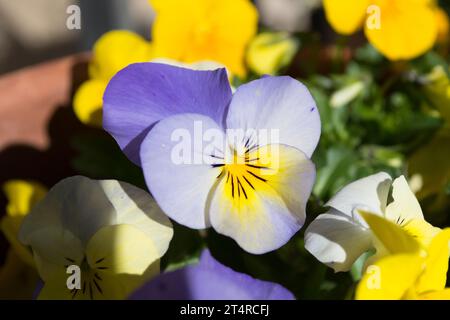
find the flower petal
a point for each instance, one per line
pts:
(434, 276)
(405, 206)
(137, 208)
(407, 29)
(337, 240)
(217, 30)
(369, 193)
(277, 103)
(88, 101)
(346, 16)
(82, 206)
(261, 209)
(142, 94)
(177, 169)
(53, 250)
(210, 280)
(22, 196)
(121, 249)
(436, 295)
(390, 278)
(392, 237)
(55, 290)
(115, 50)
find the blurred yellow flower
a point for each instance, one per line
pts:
(22, 196)
(269, 52)
(410, 270)
(112, 52)
(197, 30)
(443, 26)
(429, 164)
(399, 29)
(18, 276)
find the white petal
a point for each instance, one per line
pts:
(277, 103)
(337, 240)
(178, 167)
(369, 193)
(405, 206)
(82, 206)
(136, 207)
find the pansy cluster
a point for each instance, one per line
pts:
(237, 156)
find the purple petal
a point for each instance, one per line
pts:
(144, 93)
(210, 280)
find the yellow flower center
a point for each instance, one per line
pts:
(245, 174)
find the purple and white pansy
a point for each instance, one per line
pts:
(251, 185)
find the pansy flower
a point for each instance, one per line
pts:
(408, 271)
(197, 30)
(248, 189)
(209, 280)
(340, 236)
(112, 231)
(399, 29)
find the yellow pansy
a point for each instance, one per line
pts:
(269, 52)
(112, 52)
(399, 29)
(111, 233)
(196, 30)
(410, 270)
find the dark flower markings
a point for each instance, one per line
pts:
(94, 283)
(234, 181)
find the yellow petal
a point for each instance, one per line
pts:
(56, 290)
(407, 29)
(17, 279)
(421, 230)
(124, 256)
(390, 278)
(123, 248)
(269, 52)
(22, 196)
(346, 16)
(435, 275)
(436, 295)
(115, 50)
(264, 196)
(217, 30)
(88, 101)
(393, 238)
